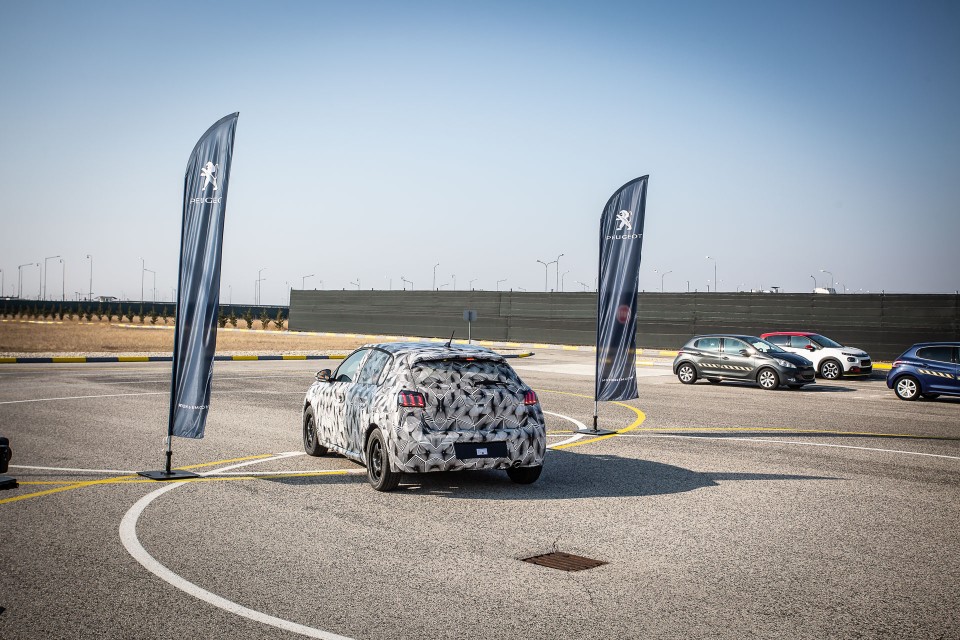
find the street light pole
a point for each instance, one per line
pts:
(20, 276)
(832, 285)
(562, 278)
(44, 294)
(498, 283)
(662, 276)
(154, 296)
(715, 281)
(545, 270)
(407, 282)
(259, 280)
(90, 294)
(558, 269)
(303, 280)
(814, 284)
(435, 276)
(454, 276)
(63, 279)
(470, 285)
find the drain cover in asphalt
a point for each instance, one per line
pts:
(564, 561)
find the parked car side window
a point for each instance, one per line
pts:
(373, 367)
(940, 354)
(780, 341)
(708, 344)
(732, 345)
(800, 342)
(347, 371)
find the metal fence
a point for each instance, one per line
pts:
(884, 325)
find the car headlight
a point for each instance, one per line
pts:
(849, 354)
(785, 363)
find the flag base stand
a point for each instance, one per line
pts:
(175, 474)
(596, 432)
(6, 482)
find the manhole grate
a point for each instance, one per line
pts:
(564, 561)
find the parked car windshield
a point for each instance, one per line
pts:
(764, 347)
(440, 372)
(823, 341)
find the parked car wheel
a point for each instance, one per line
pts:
(311, 443)
(831, 370)
(524, 475)
(907, 388)
(768, 379)
(379, 473)
(687, 373)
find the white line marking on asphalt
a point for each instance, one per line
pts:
(795, 442)
(128, 535)
(108, 395)
(108, 471)
(574, 437)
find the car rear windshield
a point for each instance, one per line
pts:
(431, 373)
(824, 341)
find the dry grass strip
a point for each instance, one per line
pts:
(79, 337)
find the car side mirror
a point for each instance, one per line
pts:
(323, 375)
(745, 352)
(810, 347)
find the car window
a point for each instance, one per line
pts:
(824, 341)
(373, 367)
(732, 345)
(432, 373)
(347, 370)
(940, 354)
(708, 344)
(780, 341)
(800, 342)
(764, 347)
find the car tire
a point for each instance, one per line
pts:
(831, 370)
(311, 442)
(768, 379)
(379, 473)
(687, 373)
(930, 396)
(525, 475)
(713, 380)
(907, 388)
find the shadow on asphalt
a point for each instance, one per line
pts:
(568, 476)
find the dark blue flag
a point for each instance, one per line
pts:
(198, 296)
(621, 240)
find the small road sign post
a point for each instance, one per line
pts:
(470, 315)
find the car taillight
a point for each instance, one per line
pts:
(529, 397)
(411, 399)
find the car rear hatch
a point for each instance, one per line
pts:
(470, 394)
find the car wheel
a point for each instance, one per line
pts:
(379, 473)
(525, 475)
(831, 370)
(930, 396)
(713, 380)
(768, 379)
(311, 443)
(907, 388)
(687, 373)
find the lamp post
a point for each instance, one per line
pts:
(832, 285)
(44, 294)
(20, 276)
(259, 280)
(662, 276)
(63, 279)
(142, 268)
(498, 283)
(435, 276)
(814, 284)
(303, 280)
(356, 284)
(715, 281)
(154, 297)
(470, 284)
(406, 282)
(562, 278)
(585, 286)
(90, 294)
(230, 289)
(558, 270)
(454, 276)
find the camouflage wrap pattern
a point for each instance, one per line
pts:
(475, 401)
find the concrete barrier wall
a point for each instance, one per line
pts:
(884, 325)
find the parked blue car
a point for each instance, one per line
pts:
(926, 369)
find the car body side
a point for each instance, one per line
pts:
(851, 360)
(934, 366)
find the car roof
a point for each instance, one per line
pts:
(724, 335)
(938, 343)
(434, 350)
(789, 333)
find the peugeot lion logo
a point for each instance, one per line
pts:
(625, 223)
(207, 172)
(623, 218)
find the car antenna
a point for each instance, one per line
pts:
(450, 341)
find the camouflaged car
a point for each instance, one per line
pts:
(416, 407)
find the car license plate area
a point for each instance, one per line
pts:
(468, 450)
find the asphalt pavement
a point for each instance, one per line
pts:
(721, 511)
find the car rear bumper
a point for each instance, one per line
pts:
(494, 449)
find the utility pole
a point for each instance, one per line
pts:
(90, 294)
(498, 283)
(545, 271)
(435, 276)
(558, 270)
(407, 282)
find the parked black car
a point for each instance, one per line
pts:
(736, 357)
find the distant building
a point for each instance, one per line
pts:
(830, 290)
(106, 298)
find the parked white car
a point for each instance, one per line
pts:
(831, 359)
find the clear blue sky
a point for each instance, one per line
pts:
(378, 139)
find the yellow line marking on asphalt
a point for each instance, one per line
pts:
(54, 482)
(641, 416)
(789, 430)
(120, 479)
